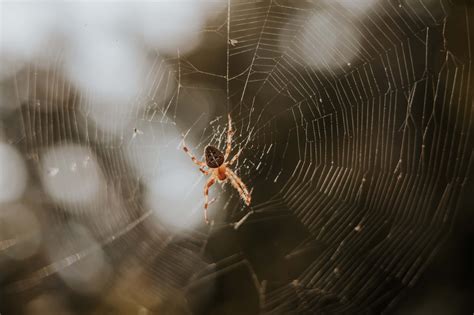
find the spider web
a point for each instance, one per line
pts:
(356, 150)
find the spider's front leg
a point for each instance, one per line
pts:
(240, 186)
(209, 183)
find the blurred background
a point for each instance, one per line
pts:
(355, 123)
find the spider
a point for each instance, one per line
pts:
(219, 169)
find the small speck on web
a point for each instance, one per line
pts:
(53, 171)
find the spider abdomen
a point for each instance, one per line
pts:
(214, 157)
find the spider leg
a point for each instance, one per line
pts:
(239, 185)
(195, 160)
(211, 202)
(209, 183)
(205, 172)
(235, 158)
(230, 133)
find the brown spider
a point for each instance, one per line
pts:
(219, 169)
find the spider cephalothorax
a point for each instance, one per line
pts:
(219, 169)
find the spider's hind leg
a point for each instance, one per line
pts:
(230, 133)
(235, 158)
(195, 160)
